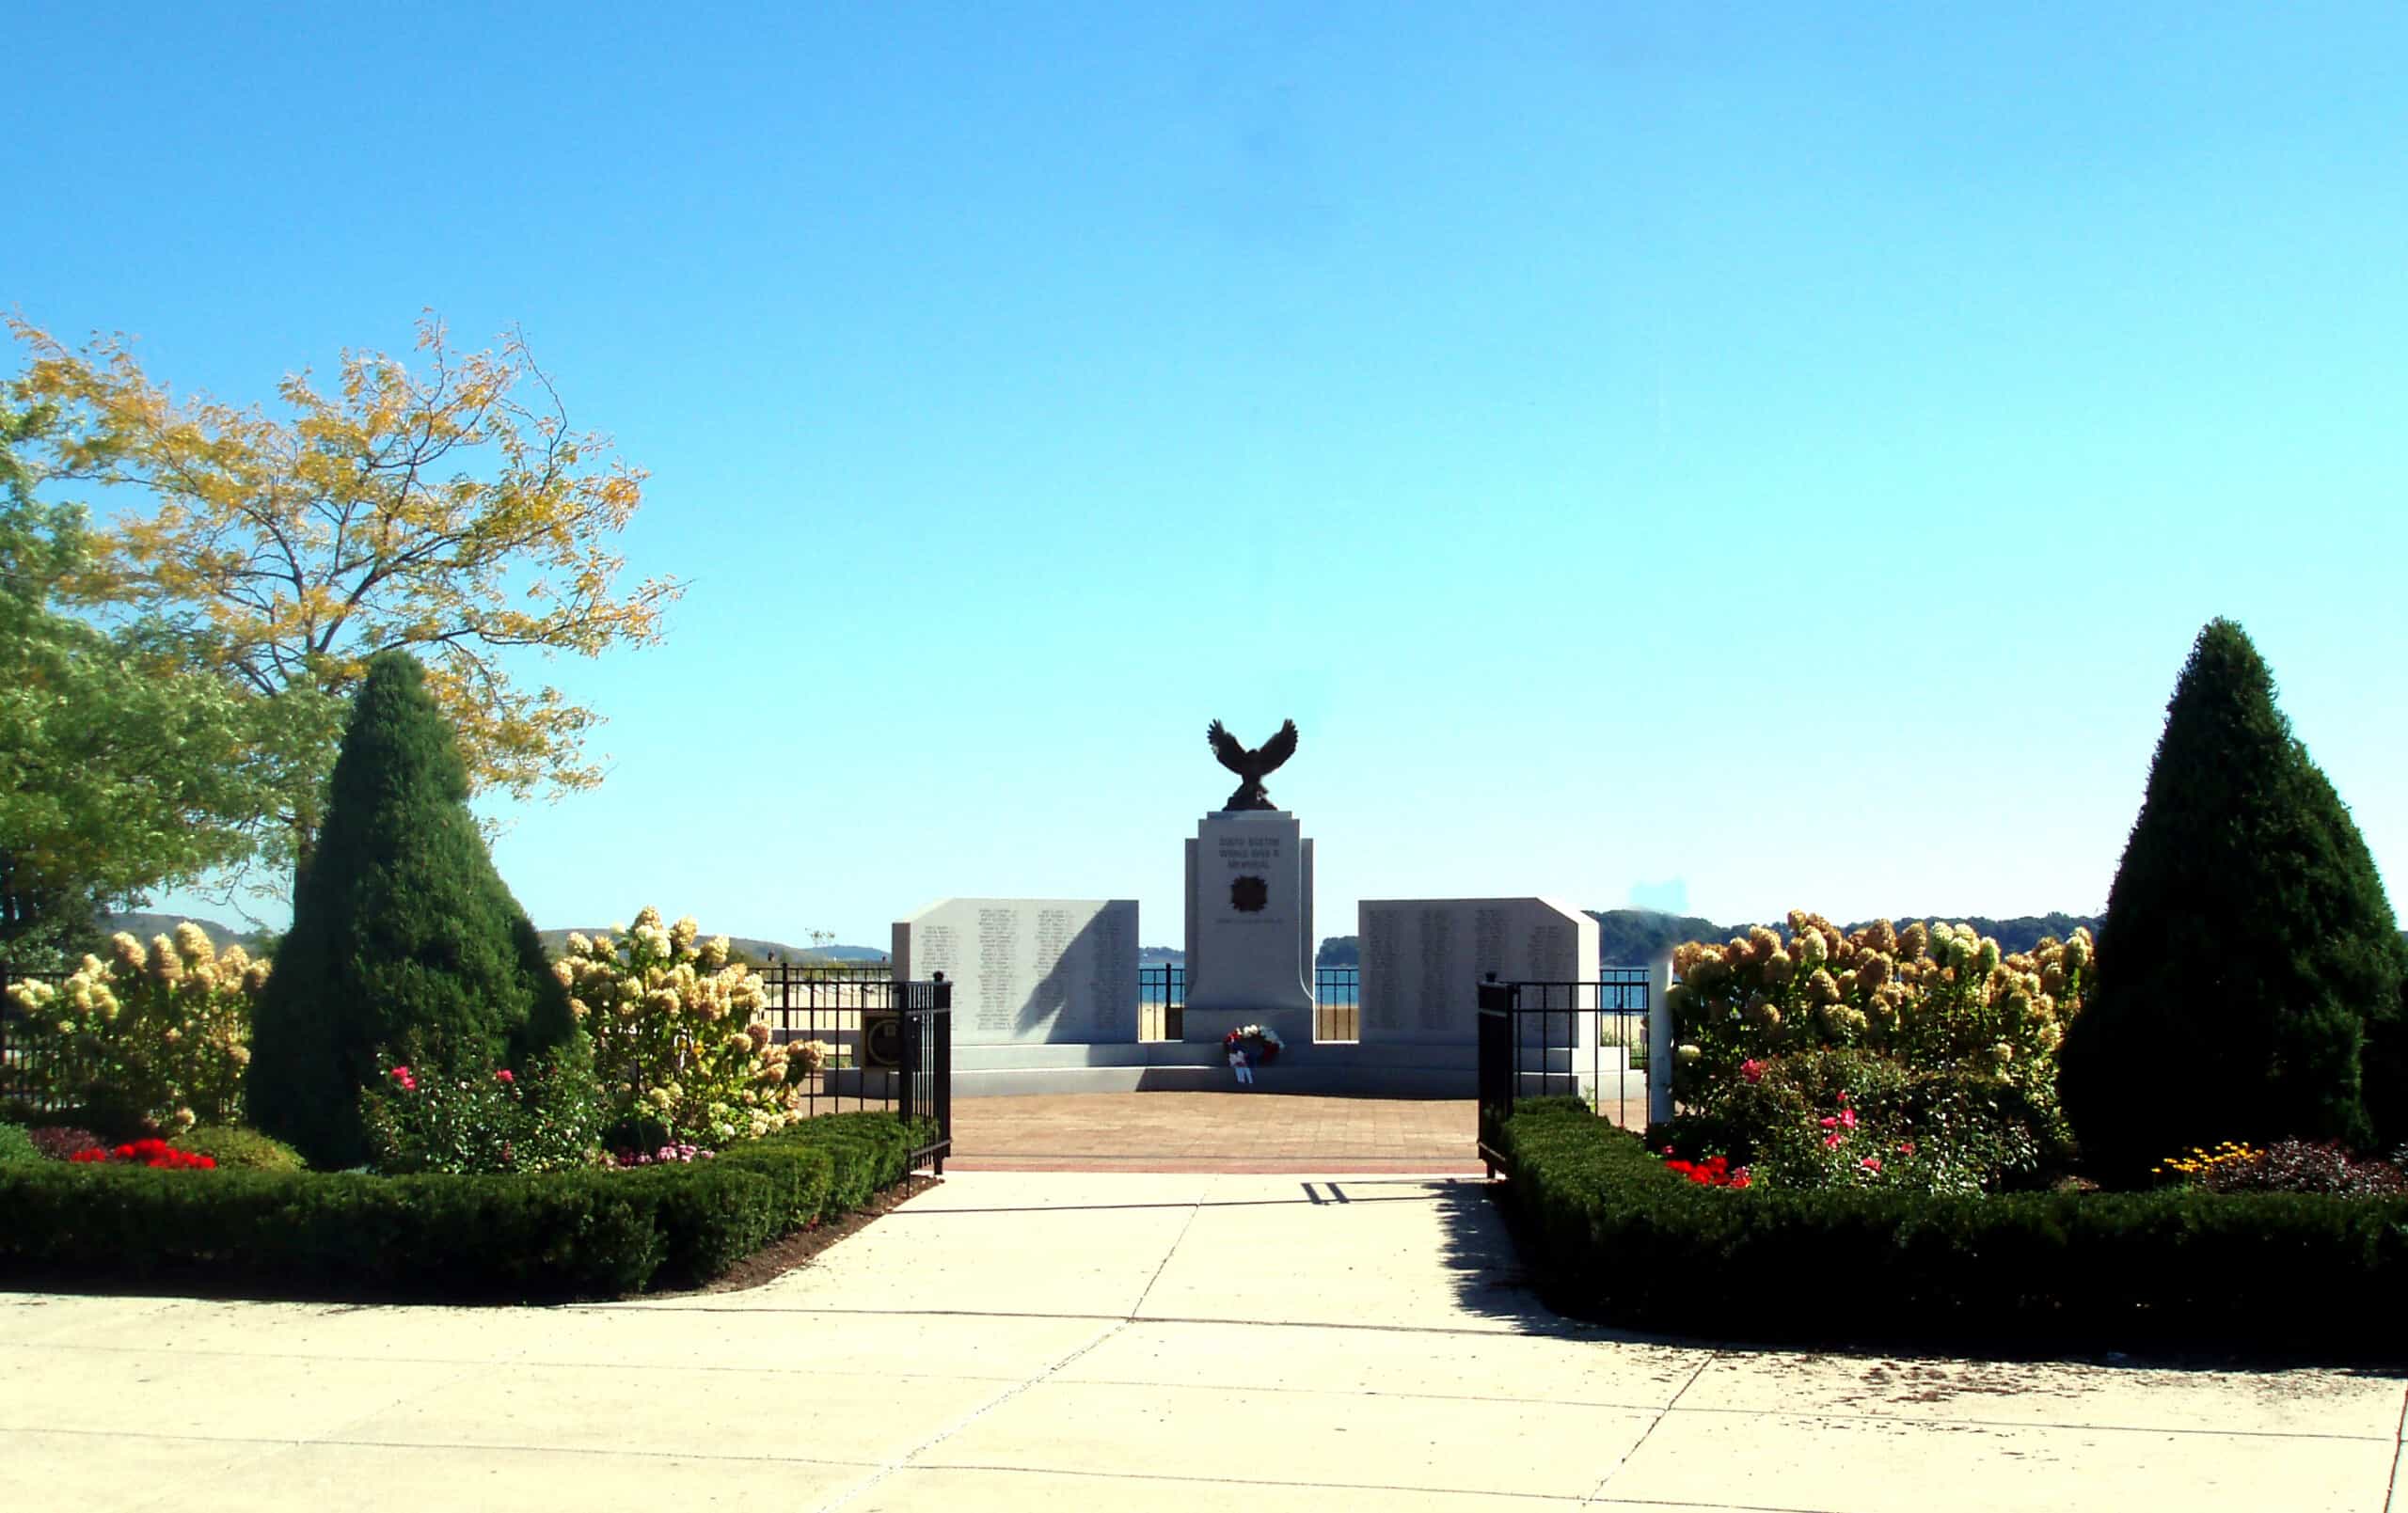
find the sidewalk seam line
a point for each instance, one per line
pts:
(949, 1430)
(1600, 1336)
(1256, 1481)
(268, 1450)
(1177, 1240)
(1661, 1414)
(286, 1442)
(2391, 1488)
(900, 1462)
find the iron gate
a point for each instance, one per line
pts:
(1551, 1039)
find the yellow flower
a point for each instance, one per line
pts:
(192, 944)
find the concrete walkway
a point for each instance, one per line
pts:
(1119, 1341)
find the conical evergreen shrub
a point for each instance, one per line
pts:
(2247, 953)
(405, 940)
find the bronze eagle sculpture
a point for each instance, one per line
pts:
(1252, 766)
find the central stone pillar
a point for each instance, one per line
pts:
(1250, 926)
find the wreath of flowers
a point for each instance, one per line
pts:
(1262, 1043)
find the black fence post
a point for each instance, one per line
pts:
(940, 1071)
(907, 1059)
(1497, 1070)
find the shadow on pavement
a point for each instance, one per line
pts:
(1490, 1279)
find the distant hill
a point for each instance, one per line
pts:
(1625, 938)
(143, 927)
(1634, 937)
(1631, 937)
(746, 948)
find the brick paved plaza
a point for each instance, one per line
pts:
(1231, 1131)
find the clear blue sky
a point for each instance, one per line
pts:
(1739, 457)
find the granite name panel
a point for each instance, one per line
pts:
(1423, 958)
(1029, 971)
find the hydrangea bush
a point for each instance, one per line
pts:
(1922, 1056)
(157, 1036)
(677, 1048)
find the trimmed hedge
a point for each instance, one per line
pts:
(1614, 1236)
(520, 1237)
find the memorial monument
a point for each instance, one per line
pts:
(1250, 905)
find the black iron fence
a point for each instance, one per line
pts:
(1338, 1003)
(55, 1080)
(880, 1043)
(1162, 1002)
(1552, 1039)
(923, 1067)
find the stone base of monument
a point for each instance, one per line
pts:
(1185, 1066)
(1335, 1067)
(1294, 1027)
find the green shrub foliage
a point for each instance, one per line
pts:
(2248, 952)
(16, 1145)
(545, 1116)
(1614, 1234)
(517, 1237)
(234, 1148)
(405, 940)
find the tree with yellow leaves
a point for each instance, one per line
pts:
(450, 510)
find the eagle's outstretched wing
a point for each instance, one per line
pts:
(1278, 749)
(1226, 746)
